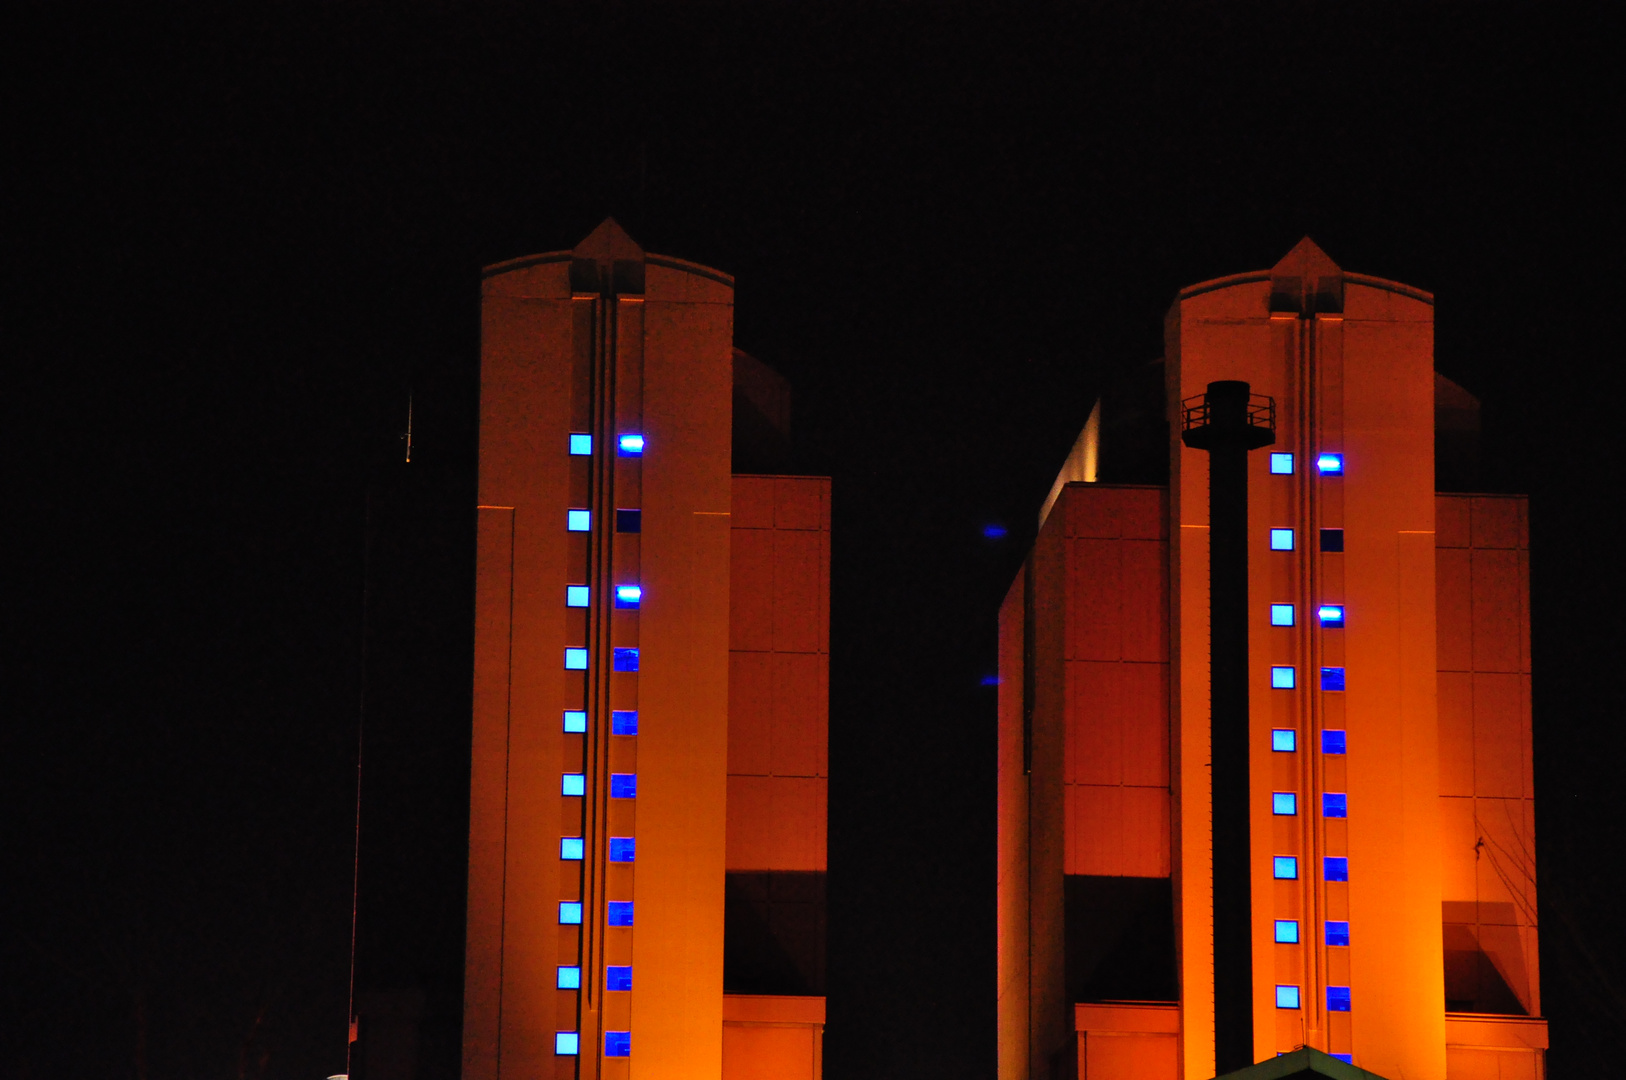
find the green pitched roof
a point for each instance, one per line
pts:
(1303, 1062)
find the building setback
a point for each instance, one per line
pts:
(1390, 792)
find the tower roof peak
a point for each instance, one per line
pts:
(1306, 281)
(608, 243)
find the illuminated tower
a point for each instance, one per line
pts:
(1392, 892)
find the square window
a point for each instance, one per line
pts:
(1331, 616)
(1334, 805)
(570, 978)
(1330, 464)
(1287, 932)
(1337, 868)
(576, 595)
(623, 785)
(1337, 933)
(1284, 868)
(1284, 803)
(1281, 614)
(630, 445)
(1281, 678)
(1332, 539)
(618, 1044)
(574, 783)
(631, 521)
(579, 520)
(580, 444)
(620, 913)
(575, 659)
(1287, 997)
(618, 977)
(1284, 740)
(623, 849)
(570, 913)
(1332, 742)
(624, 722)
(1281, 539)
(566, 1043)
(1337, 999)
(1281, 464)
(626, 660)
(570, 847)
(575, 721)
(628, 596)
(1332, 678)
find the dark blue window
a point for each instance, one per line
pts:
(618, 1044)
(1347, 1059)
(1332, 742)
(1332, 678)
(624, 785)
(1337, 933)
(624, 723)
(620, 913)
(631, 521)
(1337, 999)
(623, 849)
(1332, 539)
(627, 660)
(617, 977)
(1334, 805)
(1337, 868)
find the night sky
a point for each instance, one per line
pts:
(237, 239)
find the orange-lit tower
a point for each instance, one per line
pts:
(1392, 898)
(607, 640)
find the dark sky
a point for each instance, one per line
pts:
(235, 237)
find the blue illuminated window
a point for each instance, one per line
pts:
(623, 848)
(575, 659)
(580, 444)
(630, 445)
(1332, 742)
(1281, 614)
(1332, 678)
(576, 595)
(620, 913)
(1332, 539)
(1281, 464)
(618, 1044)
(1330, 464)
(570, 913)
(624, 723)
(579, 520)
(1287, 997)
(1337, 933)
(629, 521)
(1284, 868)
(1331, 615)
(1334, 805)
(575, 721)
(1347, 1059)
(1284, 740)
(1337, 868)
(1281, 539)
(618, 977)
(1284, 803)
(627, 660)
(566, 1043)
(570, 978)
(1337, 999)
(1281, 678)
(628, 595)
(573, 783)
(570, 847)
(1287, 932)
(623, 785)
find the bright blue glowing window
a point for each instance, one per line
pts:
(628, 595)
(579, 520)
(624, 723)
(1281, 614)
(1330, 464)
(618, 1044)
(1281, 678)
(1287, 932)
(1281, 539)
(1332, 678)
(1284, 740)
(576, 595)
(623, 785)
(1284, 803)
(1337, 868)
(575, 721)
(618, 977)
(580, 444)
(1337, 999)
(570, 978)
(1284, 868)
(623, 848)
(626, 660)
(1332, 539)
(1281, 464)
(1337, 933)
(630, 445)
(570, 847)
(575, 659)
(1287, 997)
(1333, 742)
(629, 521)
(566, 1043)
(573, 783)
(620, 913)
(570, 913)
(994, 532)
(1331, 615)
(1334, 805)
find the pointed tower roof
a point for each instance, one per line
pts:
(608, 243)
(1306, 281)
(607, 259)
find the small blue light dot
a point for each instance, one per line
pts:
(630, 445)
(994, 531)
